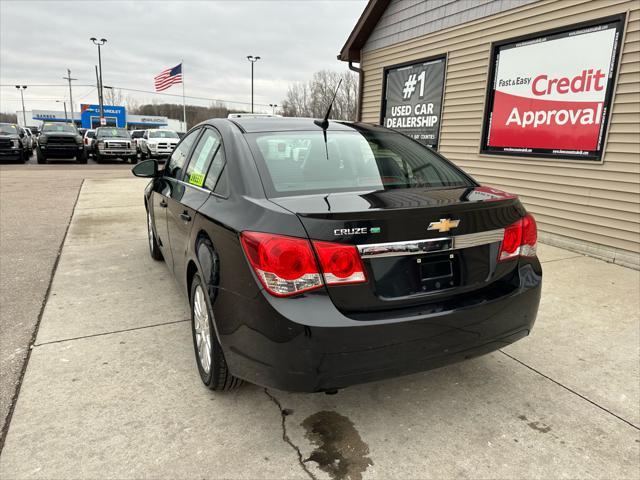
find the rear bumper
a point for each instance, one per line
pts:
(305, 344)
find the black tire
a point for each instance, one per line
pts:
(154, 248)
(40, 157)
(81, 158)
(133, 159)
(98, 157)
(143, 155)
(218, 378)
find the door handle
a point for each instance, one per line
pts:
(163, 204)
(185, 216)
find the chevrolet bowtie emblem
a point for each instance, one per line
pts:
(444, 225)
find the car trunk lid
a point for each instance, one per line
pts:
(411, 247)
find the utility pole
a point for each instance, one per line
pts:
(68, 77)
(22, 88)
(252, 59)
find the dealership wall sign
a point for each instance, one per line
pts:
(412, 99)
(550, 96)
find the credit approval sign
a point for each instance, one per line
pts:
(550, 95)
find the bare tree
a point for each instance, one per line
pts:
(312, 99)
(113, 96)
(8, 118)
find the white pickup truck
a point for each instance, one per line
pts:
(158, 143)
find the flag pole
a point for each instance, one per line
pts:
(184, 105)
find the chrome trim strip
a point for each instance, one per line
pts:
(432, 245)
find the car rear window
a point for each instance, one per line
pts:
(300, 162)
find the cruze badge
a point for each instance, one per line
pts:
(356, 231)
(444, 225)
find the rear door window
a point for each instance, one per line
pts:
(176, 164)
(207, 160)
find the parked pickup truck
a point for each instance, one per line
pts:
(114, 143)
(158, 143)
(60, 140)
(13, 143)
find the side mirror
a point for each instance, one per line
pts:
(146, 169)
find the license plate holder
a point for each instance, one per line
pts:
(438, 272)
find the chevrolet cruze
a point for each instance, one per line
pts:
(318, 255)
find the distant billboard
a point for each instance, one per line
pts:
(115, 116)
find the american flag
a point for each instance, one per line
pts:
(168, 77)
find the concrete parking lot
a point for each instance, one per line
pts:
(111, 389)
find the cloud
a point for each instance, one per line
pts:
(40, 40)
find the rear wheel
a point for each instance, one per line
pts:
(154, 249)
(212, 365)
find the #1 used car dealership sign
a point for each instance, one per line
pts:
(551, 95)
(412, 99)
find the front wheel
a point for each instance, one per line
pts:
(154, 249)
(212, 365)
(81, 158)
(40, 157)
(133, 159)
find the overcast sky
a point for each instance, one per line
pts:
(39, 40)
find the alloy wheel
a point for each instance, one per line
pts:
(150, 230)
(201, 328)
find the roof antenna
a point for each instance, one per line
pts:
(324, 123)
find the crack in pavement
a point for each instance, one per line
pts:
(132, 329)
(571, 390)
(285, 436)
(561, 259)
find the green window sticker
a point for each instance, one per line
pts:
(196, 178)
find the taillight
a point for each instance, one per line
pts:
(340, 263)
(520, 239)
(285, 265)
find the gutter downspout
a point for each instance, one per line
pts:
(360, 87)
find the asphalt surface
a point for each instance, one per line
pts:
(111, 389)
(36, 203)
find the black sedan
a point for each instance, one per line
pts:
(316, 258)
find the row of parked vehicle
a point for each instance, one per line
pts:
(64, 140)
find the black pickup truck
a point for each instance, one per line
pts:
(60, 140)
(13, 143)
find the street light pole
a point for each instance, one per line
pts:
(253, 59)
(22, 88)
(65, 109)
(68, 77)
(273, 108)
(100, 43)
